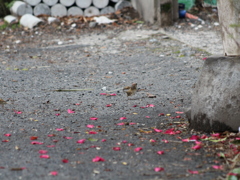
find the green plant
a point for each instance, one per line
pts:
(12, 26)
(15, 26)
(9, 3)
(4, 26)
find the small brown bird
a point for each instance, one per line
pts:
(2, 102)
(130, 90)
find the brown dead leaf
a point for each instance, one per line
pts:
(151, 95)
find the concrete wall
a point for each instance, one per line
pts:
(153, 11)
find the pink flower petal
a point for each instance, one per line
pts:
(134, 105)
(179, 112)
(121, 124)
(36, 142)
(7, 135)
(103, 140)
(161, 114)
(103, 94)
(70, 111)
(157, 130)
(92, 132)
(42, 152)
(33, 138)
(51, 135)
(152, 140)
(204, 137)
(68, 137)
(124, 141)
(90, 126)
(93, 118)
(132, 123)
(130, 144)
(178, 117)
(81, 141)
(193, 172)
(216, 135)
(97, 159)
(44, 156)
(160, 152)
(164, 140)
(58, 114)
(185, 140)
(158, 169)
(137, 149)
(178, 132)
(108, 105)
(196, 147)
(217, 167)
(122, 118)
(5, 140)
(54, 173)
(59, 129)
(113, 94)
(18, 112)
(170, 131)
(194, 137)
(147, 116)
(51, 146)
(116, 148)
(150, 105)
(65, 160)
(198, 143)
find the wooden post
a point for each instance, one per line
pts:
(229, 18)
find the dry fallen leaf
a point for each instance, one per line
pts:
(151, 95)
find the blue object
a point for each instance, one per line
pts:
(182, 13)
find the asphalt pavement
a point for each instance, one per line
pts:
(66, 116)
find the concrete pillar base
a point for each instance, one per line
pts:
(216, 97)
(164, 12)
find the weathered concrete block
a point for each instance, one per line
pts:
(29, 21)
(10, 19)
(20, 8)
(216, 98)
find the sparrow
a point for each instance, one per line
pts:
(2, 102)
(130, 90)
